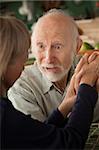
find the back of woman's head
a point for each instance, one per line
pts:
(14, 40)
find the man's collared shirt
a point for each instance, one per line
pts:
(34, 94)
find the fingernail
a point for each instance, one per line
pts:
(92, 57)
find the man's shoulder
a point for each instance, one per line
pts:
(32, 78)
(31, 72)
(31, 69)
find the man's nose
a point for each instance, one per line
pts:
(49, 55)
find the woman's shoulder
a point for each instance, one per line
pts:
(3, 101)
(4, 104)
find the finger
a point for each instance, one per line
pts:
(70, 90)
(79, 65)
(72, 80)
(92, 57)
(77, 80)
(83, 60)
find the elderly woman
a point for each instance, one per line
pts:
(19, 130)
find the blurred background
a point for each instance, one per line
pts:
(85, 13)
(30, 10)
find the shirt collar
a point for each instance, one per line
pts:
(46, 84)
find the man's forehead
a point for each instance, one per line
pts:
(52, 27)
(56, 19)
(51, 35)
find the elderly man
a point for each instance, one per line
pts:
(42, 86)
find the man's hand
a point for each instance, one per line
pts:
(87, 71)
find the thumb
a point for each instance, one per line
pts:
(92, 57)
(82, 61)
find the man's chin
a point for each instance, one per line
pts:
(55, 78)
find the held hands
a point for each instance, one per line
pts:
(87, 71)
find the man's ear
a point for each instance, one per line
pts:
(79, 44)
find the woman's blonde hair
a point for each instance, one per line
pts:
(14, 40)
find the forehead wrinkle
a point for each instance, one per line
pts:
(50, 25)
(48, 30)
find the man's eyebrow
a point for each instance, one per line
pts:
(57, 42)
(39, 43)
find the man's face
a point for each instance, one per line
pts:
(52, 44)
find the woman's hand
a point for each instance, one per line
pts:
(69, 100)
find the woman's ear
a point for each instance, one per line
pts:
(79, 44)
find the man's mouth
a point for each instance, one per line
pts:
(52, 69)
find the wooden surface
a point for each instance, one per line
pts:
(90, 28)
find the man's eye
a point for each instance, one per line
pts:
(41, 46)
(58, 46)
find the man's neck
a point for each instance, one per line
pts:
(61, 84)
